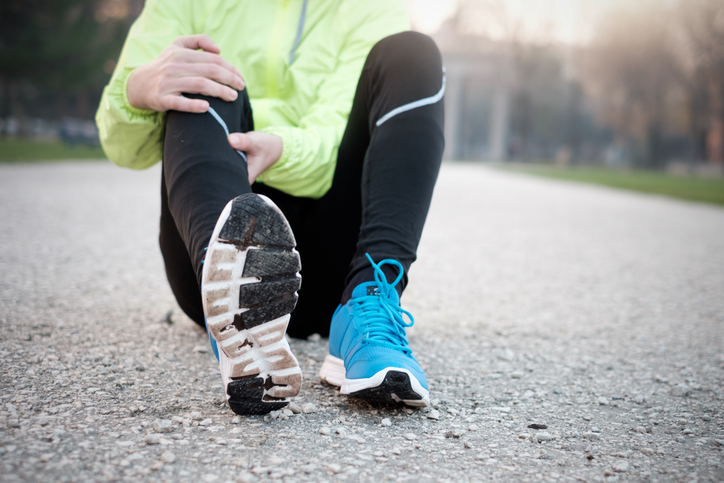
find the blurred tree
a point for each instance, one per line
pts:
(702, 29)
(632, 67)
(59, 45)
(540, 107)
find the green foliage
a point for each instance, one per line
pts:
(709, 190)
(56, 43)
(27, 150)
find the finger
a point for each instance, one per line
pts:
(253, 168)
(252, 176)
(184, 104)
(209, 71)
(199, 41)
(201, 85)
(208, 45)
(197, 57)
(240, 141)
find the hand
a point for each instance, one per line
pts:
(262, 150)
(182, 68)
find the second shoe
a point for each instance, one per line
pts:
(369, 355)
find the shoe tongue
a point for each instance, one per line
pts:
(371, 288)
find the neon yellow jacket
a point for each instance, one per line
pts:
(306, 101)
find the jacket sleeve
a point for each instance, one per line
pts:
(133, 137)
(309, 156)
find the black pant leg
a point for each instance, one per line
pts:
(405, 151)
(201, 173)
(382, 184)
(381, 190)
(179, 270)
(326, 233)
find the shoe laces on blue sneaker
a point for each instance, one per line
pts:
(379, 316)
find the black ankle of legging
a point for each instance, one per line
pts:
(368, 275)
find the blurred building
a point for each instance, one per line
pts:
(514, 102)
(477, 97)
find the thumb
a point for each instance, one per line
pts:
(240, 141)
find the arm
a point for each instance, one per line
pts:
(309, 153)
(130, 136)
(149, 80)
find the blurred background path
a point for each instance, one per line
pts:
(570, 333)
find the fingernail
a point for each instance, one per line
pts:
(234, 138)
(234, 95)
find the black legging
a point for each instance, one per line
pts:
(377, 204)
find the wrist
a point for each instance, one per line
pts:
(277, 147)
(287, 145)
(135, 90)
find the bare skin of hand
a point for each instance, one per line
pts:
(262, 150)
(190, 64)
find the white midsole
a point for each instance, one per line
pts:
(334, 373)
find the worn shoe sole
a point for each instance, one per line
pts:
(391, 385)
(249, 287)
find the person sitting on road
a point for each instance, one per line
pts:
(286, 166)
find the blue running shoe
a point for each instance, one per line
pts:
(369, 356)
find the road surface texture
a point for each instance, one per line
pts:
(569, 333)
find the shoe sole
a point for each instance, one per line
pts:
(390, 385)
(249, 287)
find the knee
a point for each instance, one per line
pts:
(228, 110)
(408, 52)
(242, 99)
(236, 114)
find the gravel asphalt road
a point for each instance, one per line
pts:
(569, 333)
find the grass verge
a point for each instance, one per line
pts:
(708, 190)
(22, 150)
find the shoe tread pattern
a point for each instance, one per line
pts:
(264, 292)
(265, 313)
(395, 382)
(246, 396)
(255, 223)
(260, 230)
(265, 263)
